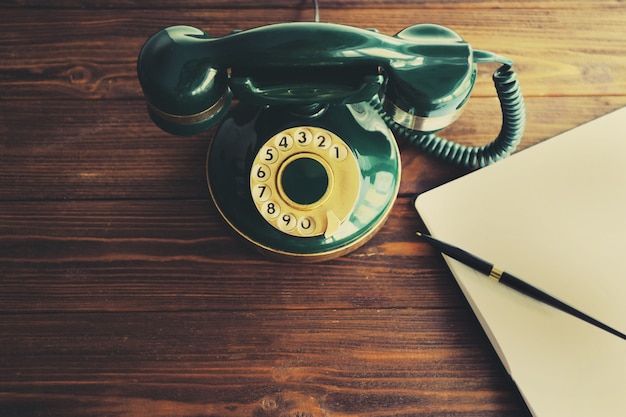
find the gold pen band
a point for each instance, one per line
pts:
(495, 273)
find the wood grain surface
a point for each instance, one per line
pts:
(122, 291)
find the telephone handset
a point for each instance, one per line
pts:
(306, 166)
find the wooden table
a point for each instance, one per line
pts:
(123, 293)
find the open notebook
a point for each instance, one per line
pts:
(553, 215)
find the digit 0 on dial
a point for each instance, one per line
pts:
(305, 181)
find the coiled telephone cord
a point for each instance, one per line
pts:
(513, 125)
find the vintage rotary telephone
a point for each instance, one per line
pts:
(306, 166)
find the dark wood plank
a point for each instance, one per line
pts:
(91, 54)
(263, 363)
(179, 255)
(306, 4)
(103, 150)
(111, 149)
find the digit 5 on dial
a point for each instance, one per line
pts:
(306, 166)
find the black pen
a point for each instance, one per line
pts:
(509, 280)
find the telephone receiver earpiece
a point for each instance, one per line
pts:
(189, 77)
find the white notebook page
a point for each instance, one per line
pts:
(553, 215)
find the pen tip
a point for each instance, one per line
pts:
(419, 234)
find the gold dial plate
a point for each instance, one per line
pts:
(322, 216)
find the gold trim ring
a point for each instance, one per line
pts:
(192, 118)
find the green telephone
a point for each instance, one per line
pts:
(305, 166)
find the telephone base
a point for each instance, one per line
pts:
(304, 188)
